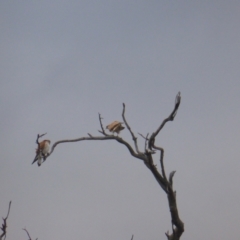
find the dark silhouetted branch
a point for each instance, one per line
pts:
(24, 229)
(161, 160)
(39, 136)
(100, 120)
(171, 177)
(169, 118)
(108, 137)
(146, 141)
(134, 138)
(4, 225)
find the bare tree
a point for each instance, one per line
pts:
(147, 157)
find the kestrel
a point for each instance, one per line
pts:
(115, 127)
(42, 151)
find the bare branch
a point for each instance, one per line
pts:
(108, 137)
(24, 229)
(169, 118)
(100, 120)
(162, 180)
(27, 233)
(132, 237)
(134, 138)
(4, 225)
(161, 160)
(146, 141)
(171, 177)
(159, 178)
(144, 137)
(39, 136)
(167, 234)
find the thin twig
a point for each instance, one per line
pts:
(24, 229)
(170, 179)
(134, 138)
(28, 233)
(39, 136)
(143, 136)
(146, 141)
(169, 118)
(100, 120)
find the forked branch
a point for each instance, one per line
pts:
(134, 138)
(39, 136)
(169, 118)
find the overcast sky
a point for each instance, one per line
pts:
(63, 62)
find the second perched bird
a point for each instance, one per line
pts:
(42, 151)
(115, 127)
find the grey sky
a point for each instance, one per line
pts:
(63, 62)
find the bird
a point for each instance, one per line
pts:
(115, 127)
(42, 152)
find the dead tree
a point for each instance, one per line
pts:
(147, 157)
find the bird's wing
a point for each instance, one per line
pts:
(113, 125)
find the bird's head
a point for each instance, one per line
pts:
(48, 141)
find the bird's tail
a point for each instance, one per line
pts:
(38, 159)
(35, 159)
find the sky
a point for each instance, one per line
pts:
(64, 62)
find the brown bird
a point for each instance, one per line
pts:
(115, 127)
(42, 151)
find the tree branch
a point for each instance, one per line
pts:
(108, 137)
(159, 178)
(4, 225)
(100, 120)
(162, 180)
(39, 136)
(171, 178)
(27, 233)
(134, 138)
(169, 118)
(146, 141)
(179, 225)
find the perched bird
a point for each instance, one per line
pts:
(115, 127)
(42, 151)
